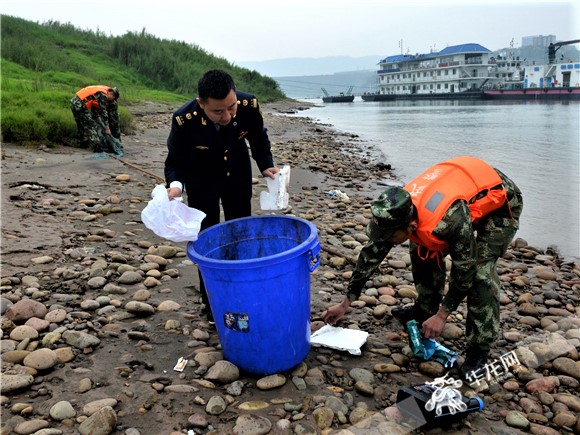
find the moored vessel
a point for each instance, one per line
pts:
(340, 98)
(456, 72)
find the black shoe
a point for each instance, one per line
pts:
(206, 311)
(473, 367)
(414, 312)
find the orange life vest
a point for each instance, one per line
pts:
(87, 95)
(438, 187)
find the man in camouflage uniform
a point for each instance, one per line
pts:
(95, 110)
(474, 248)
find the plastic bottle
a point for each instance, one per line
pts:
(414, 402)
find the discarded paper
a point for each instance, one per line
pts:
(350, 340)
(181, 363)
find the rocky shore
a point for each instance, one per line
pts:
(96, 310)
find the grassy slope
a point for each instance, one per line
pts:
(43, 65)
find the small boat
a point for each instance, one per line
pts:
(367, 96)
(340, 98)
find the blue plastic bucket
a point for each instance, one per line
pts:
(257, 275)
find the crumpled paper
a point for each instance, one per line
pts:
(172, 220)
(333, 337)
(276, 198)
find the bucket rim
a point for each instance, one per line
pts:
(282, 256)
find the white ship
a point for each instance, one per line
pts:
(455, 72)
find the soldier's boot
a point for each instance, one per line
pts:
(475, 362)
(406, 314)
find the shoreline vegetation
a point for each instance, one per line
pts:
(44, 65)
(97, 310)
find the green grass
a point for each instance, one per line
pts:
(44, 65)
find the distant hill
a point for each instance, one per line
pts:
(311, 86)
(303, 77)
(307, 66)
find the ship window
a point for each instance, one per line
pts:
(446, 72)
(446, 86)
(454, 71)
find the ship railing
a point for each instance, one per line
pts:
(415, 67)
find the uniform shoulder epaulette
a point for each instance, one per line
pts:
(248, 100)
(185, 117)
(187, 113)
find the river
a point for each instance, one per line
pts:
(536, 144)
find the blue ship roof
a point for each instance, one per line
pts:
(464, 48)
(409, 57)
(454, 49)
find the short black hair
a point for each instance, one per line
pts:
(215, 84)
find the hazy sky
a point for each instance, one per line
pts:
(252, 30)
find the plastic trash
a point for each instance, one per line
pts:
(114, 145)
(276, 198)
(339, 194)
(432, 405)
(427, 348)
(172, 220)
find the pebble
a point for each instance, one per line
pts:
(102, 422)
(252, 424)
(517, 419)
(567, 366)
(62, 410)
(271, 382)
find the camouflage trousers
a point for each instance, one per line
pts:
(494, 235)
(91, 131)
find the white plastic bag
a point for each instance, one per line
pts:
(172, 220)
(277, 196)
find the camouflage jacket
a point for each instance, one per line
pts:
(457, 230)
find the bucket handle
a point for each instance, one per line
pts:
(314, 257)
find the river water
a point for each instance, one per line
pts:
(535, 144)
